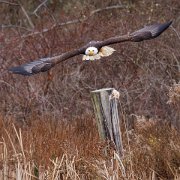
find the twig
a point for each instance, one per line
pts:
(3, 26)
(27, 16)
(80, 20)
(10, 3)
(107, 8)
(42, 4)
(75, 21)
(177, 61)
(23, 10)
(178, 35)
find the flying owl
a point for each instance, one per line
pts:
(92, 51)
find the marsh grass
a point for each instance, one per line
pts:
(48, 149)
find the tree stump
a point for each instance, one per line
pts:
(106, 111)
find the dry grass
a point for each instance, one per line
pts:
(174, 94)
(72, 150)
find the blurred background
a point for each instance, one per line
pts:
(143, 72)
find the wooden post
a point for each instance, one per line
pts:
(106, 112)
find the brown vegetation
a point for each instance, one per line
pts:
(57, 148)
(53, 111)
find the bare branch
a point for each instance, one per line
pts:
(23, 10)
(10, 3)
(107, 8)
(177, 62)
(27, 16)
(4, 26)
(75, 21)
(177, 33)
(42, 4)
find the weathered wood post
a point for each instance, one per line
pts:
(105, 107)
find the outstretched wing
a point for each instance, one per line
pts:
(42, 65)
(146, 33)
(33, 67)
(150, 32)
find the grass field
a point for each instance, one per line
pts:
(51, 149)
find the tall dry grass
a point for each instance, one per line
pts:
(49, 149)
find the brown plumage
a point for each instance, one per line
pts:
(42, 65)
